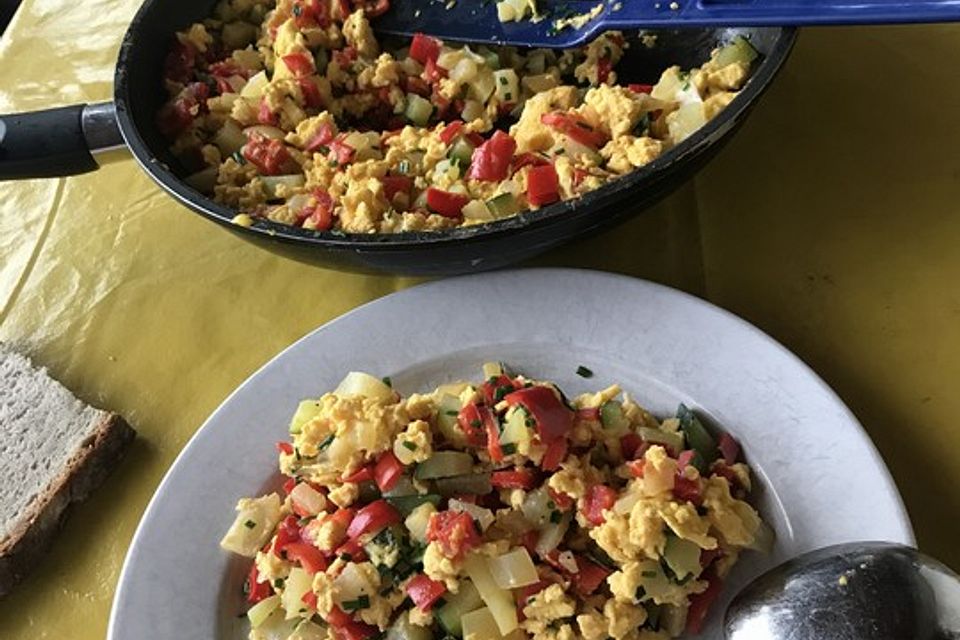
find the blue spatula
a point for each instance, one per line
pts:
(477, 21)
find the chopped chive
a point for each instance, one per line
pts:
(346, 557)
(238, 158)
(584, 372)
(326, 442)
(409, 446)
(509, 449)
(249, 524)
(452, 413)
(503, 80)
(648, 574)
(508, 95)
(555, 517)
(387, 381)
(278, 583)
(475, 424)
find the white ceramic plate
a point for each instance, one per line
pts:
(821, 480)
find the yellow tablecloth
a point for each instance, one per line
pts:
(831, 222)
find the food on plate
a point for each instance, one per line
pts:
(293, 111)
(56, 451)
(494, 509)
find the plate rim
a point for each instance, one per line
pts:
(889, 485)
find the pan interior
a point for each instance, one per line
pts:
(140, 94)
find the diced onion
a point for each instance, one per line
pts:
(507, 85)
(271, 184)
(259, 612)
(551, 535)
(296, 584)
(480, 624)
(476, 210)
(254, 524)
(686, 120)
(464, 71)
(229, 138)
(513, 569)
(264, 130)
(203, 180)
(418, 520)
(255, 85)
(482, 515)
(357, 383)
(472, 109)
(499, 601)
(351, 584)
(308, 499)
(483, 86)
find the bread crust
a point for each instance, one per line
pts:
(85, 471)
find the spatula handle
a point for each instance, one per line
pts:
(747, 13)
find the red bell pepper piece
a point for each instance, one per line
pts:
(424, 48)
(491, 160)
(516, 479)
(345, 57)
(433, 74)
(289, 484)
(531, 590)
(257, 591)
(496, 389)
(454, 531)
(269, 156)
(323, 137)
(288, 532)
(341, 151)
(346, 628)
(343, 516)
(554, 419)
(532, 159)
(685, 459)
(707, 556)
(311, 93)
(575, 128)
(425, 592)
(729, 448)
(299, 64)
(309, 557)
(285, 448)
(471, 420)
(372, 519)
(543, 185)
(641, 88)
(493, 435)
(179, 62)
(451, 131)
(529, 541)
(589, 576)
(600, 497)
(721, 469)
(372, 8)
(417, 85)
(687, 490)
(392, 185)
(310, 599)
(265, 114)
(636, 467)
(629, 445)
(604, 67)
(589, 413)
(449, 205)
(388, 471)
(353, 549)
(555, 454)
(363, 474)
(700, 603)
(319, 211)
(562, 500)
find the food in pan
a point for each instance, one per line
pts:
(294, 112)
(489, 510)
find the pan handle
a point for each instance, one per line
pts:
(57, 142)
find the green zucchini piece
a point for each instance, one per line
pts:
(697, 435)
(406, 504)
(682, 556)
(739, 50)
(667, 438)
(474, 484)
(503, 205)
(463, 602)
(461, 152)
(444, 464)
(403, 629)
(612, 417)
(418, 109)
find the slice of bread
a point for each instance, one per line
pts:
(54, 450)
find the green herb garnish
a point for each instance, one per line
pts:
(584, 372)
(361, 602)
(409, 446)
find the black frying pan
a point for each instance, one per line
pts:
(66, 141)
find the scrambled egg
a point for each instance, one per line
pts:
(291, 111)
(407, 513)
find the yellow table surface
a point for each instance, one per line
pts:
(831, 221)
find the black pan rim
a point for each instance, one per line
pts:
(404, 241)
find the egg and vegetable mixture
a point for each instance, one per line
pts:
(491, 510)
(291, 110)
